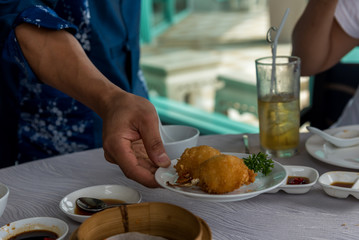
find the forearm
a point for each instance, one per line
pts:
(58, 60)
(311, 37)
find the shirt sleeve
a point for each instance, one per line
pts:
(41, 16)
(347, 15)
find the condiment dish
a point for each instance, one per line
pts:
(182, 137)
(113, 192)
(4, 195)
(340, 184)
(299, 173)
(46, 224)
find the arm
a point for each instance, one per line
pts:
(318, 39)
(59, 61)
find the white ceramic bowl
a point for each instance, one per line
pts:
(4, 195)
(183, 137)
(298, 171)
(37, 223)
(117, 192)
(327, 179)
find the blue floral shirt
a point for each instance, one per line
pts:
(40, 120)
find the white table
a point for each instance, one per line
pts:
(36, 189)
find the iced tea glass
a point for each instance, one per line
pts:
(278, 88)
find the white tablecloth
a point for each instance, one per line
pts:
(36, 189)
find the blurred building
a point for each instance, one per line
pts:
(202, 52)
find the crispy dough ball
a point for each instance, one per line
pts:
(224, 173)
(191, 158)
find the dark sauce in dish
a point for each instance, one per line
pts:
(296, 180)
(343, 184)
(79, 211)
(35, 235)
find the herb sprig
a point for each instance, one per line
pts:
(259, 163)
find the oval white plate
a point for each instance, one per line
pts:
(328, 178)
(37, 223)
(119, 192)
(299, 171)
(261, 185)
(326, 152)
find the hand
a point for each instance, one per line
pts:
(131, 138)
(127, 118)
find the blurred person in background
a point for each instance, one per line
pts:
(71, 81)
(327, 31)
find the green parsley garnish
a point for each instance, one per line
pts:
(259, 163)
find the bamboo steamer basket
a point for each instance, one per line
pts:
(154, 218)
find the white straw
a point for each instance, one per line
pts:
(274, 48)
(281, 26)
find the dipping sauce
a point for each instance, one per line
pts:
(79, 211)
(343, 184)
(297, 180)
(35, 235)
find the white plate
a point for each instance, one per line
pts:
(326, 152)
(119, 192)
(299, 171)
(328, 178)
(36, 223)
(262, 184)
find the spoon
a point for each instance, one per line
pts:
(346, 138)
(95, 205)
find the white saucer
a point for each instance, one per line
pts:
(119, 192)
(326, 152)
(261, 185)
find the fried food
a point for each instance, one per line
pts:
(212, 171)
(188, 164)
(224, 173)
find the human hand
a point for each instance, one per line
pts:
(127, 118)
(131, 138)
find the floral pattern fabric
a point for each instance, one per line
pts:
(49, 121)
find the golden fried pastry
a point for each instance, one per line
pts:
(224, 173)
(191, 158)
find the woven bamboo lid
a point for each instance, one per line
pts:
(154, 218)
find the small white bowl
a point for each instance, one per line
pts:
(117, 192)
(298, 171)
(37, 223)
(327, 179)
(4, 195)
(183, 137)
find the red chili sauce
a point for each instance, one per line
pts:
(297, 180)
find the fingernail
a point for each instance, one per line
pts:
(163, 160)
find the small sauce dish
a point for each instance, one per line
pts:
(52, 228)
(108, 193)
(340, 184)
(300, 180)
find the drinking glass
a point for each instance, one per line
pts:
(278, 88)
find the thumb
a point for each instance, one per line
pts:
(155, 149)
